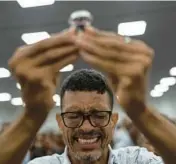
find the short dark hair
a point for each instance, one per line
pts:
(86, 80)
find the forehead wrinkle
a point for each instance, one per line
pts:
(85, 108)
(84, 101)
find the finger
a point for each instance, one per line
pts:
(37, 48)
(135, 46)
(92, 46)
(56, 40)
(64, 38)
(140, 46)
(97, 62)
(90, 30)
(134, 57)
(111, 67)
(62, 63)
(53, 55)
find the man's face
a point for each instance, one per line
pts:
(87, 142)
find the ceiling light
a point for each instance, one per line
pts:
(5, 97)
(18, 85)
(67, 68)
(155, 93)
(132, 28)
(173, 71)
(168, 81)
(56, 99)
(17, 101)
(161, 88)
(31, 38)
(34, 3)
(4, 73)
(57, 103)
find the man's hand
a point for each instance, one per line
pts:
(126, 64)
(36, 67)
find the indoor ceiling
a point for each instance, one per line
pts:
(160, 34)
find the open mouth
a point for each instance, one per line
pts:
(88, 143)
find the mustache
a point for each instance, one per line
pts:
(91, 133)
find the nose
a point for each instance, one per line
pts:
(86, 126)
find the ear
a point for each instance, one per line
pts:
(115, 118)
(59, 121)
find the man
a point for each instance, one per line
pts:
(86, 119)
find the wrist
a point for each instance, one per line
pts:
(35, 115)
(137, 109)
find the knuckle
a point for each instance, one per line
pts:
(34, 77)
(148, 62)
(147, 49)
(139, 71)
(26, 75)
(20, 72)
(11, 63)
(49, 54)
(152, 52)
(41, 44)
(20, 49)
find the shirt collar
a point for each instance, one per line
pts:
(110, 160)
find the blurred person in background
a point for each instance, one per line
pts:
(122, 137)
(47, 143)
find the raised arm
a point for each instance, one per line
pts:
(127, 62)
(36, 67)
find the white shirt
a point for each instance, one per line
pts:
(128, 155)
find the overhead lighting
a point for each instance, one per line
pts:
(67, 68)
(5, 97)
(31, 38)
(155, 93)
(161, 88)
(56, 99)
(132, 28)
(17, 101)
(34, 3)
(18, 85)
(168, 81)
(57, 103)
(173, 71)
(4, 73)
